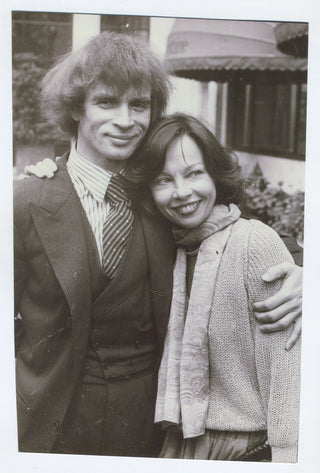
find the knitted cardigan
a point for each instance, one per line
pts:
(254, 381)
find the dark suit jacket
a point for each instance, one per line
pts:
(53, 298)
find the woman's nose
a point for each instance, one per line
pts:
(182, 190)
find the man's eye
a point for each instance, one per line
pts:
(140, 105)
(107, 102)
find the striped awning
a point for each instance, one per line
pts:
(292, 38)
(217, 49)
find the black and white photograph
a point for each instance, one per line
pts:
(160, 225)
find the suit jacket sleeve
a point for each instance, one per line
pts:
(21, 235)
(20, 270)
(295, 250)
(20, 279)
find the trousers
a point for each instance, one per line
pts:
(114, 418)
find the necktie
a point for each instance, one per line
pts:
(117, 225)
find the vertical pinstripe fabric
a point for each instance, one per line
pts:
(117, 225)
(90, 182)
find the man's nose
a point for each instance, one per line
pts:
(123, 116)
(182, 190)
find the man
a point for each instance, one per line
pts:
(93, 278)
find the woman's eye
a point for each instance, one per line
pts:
(160, 181)
(196, 172)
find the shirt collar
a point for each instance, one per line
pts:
(93, 177)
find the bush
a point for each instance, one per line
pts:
(282, 211)
(29, 126)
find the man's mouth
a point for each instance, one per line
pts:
(122, 141)
(187, 209)
(122, 137)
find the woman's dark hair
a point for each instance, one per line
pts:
(222, 165)
(117, 60)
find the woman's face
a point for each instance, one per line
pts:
(184, 192)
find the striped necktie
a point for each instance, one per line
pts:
(117, 226)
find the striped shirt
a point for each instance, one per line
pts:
(90, 182)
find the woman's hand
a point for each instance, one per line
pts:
(284, 308)
(45, 168)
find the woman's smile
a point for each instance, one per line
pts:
(187, 209)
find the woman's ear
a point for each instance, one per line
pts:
(75, 115)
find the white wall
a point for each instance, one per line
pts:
(83, 28)
(290, 172)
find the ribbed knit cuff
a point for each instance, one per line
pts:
(284, 454)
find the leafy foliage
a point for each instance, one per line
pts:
(29, 126)
(282, 211)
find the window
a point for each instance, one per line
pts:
(138, 25)
(46, 34)
(267, 117)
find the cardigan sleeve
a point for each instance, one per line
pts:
(278, 370)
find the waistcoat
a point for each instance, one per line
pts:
(122, 338)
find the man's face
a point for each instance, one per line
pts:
(112, 126)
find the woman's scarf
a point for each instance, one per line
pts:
(183, 380)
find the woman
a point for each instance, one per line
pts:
(225, 388)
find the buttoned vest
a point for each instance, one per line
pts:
(122, 337)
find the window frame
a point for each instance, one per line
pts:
(240, 113)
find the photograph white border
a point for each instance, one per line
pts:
(271, 10)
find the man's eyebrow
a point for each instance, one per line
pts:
(105, 95)
(142, 98)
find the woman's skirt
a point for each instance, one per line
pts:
(213, 445)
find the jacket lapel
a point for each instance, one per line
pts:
(161, 255)
(59, 224)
